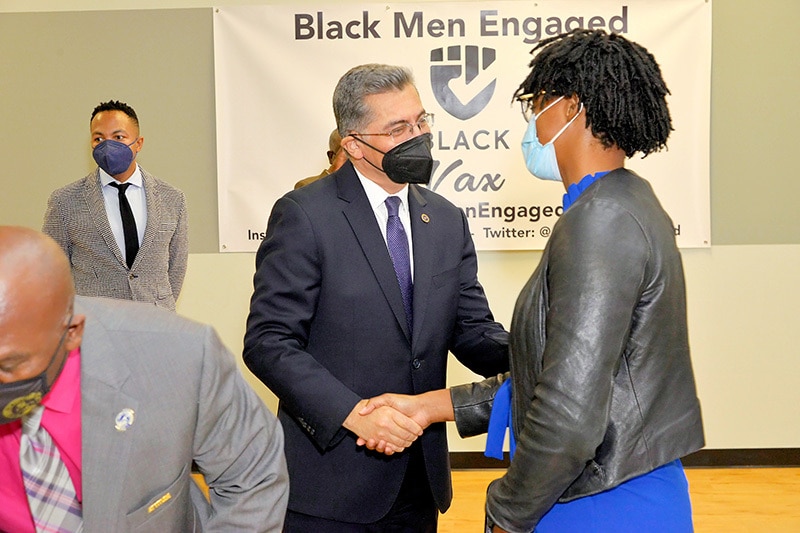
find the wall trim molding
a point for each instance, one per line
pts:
(719, 458)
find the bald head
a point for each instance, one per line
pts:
(37, 325)
(35, 274)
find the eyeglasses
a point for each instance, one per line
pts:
(528, 101)
(403, 131)
(526, 104)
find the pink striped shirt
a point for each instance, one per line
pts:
(62, 419)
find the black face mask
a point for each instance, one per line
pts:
(408, 162)
(19, 398)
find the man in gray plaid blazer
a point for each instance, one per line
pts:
(143, 259)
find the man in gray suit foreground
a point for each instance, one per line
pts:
(125, 231)
(158, 394)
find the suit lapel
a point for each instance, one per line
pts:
(153, 211)
(361, 218)
(105, 449)
(92, 191)
(423, 253)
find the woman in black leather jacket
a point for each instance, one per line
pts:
(602, 394)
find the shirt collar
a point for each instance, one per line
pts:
(66, 388)
(135, 179)
(376, 195)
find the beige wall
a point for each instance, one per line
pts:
(743, 326)
(743, 293)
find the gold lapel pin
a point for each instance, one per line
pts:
(425, 218)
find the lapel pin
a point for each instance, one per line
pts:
(425, 218)
(124, 419)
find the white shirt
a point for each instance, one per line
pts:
(377, 196)
(136, 199)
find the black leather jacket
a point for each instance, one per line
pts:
(603, 388)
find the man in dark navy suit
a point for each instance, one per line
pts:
(364, 282)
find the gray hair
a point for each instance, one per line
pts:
(349, 106)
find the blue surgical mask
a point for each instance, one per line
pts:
(541, 159)
(113, 156)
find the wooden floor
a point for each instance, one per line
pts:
(730, 500)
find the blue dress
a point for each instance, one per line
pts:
(656, 502)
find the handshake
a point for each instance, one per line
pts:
(389, 423)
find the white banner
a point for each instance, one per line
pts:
(277, 66)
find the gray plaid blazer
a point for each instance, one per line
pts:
(76, 219)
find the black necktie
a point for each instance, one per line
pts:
(128, 224)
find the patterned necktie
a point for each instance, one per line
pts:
(398, 251)
(128, 224)
(51, 494)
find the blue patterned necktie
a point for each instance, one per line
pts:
(398, 251)
(51, 494)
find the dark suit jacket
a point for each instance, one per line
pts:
(76, 219)
(191, 406)
(327, 328)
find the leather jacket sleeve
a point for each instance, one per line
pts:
(472, 404)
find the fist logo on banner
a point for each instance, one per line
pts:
(461, 74)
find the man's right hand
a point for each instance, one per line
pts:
(388, 429)
(424, 409)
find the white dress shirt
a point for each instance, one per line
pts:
(137, 200)
(377, 196)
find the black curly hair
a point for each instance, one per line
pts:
(618, 81)
(116, 105)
